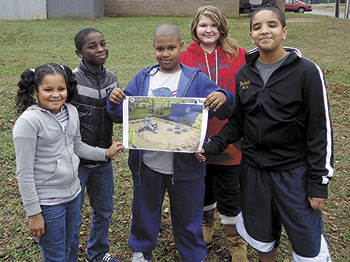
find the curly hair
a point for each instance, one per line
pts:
(32, 78)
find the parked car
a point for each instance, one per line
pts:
(249, 6)
(297, 6)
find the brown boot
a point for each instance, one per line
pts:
(208, 225)
(237, 246)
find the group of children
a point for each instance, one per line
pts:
(269, 103)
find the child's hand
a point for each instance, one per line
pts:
(215, 99)
(317, 203)
(115, 148)
(37, 225)
(200, 155)
(116, 96)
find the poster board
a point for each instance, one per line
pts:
(175, 124)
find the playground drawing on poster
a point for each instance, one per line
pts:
(176, 124)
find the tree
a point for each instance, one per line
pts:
(198, 123)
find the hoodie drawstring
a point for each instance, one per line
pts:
(216, 66)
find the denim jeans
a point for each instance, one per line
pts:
(99, 184)
(60, 222)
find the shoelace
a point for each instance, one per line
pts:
(107, 257)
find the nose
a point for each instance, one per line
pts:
(264, 30)
(55, 94)
(208, 29)
(165, 53)
(99, 48)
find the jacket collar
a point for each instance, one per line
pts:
(186, 78)
(253, 54)
(197, 50)
(92, 74)
(188, 71)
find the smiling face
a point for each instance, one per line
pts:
(267, 32)
(167, 49)
(94, 51)
(52, 92)
(207, 32)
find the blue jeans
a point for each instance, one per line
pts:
(99, 184)
(60, 222)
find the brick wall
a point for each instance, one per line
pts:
(166, 7)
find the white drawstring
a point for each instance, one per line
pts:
(216, 66)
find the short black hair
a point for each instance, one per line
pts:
(166, 30)
(273, 9)
(79, 38)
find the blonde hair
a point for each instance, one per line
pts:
(227, 44)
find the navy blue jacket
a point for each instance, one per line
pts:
(285, 123)
(193, 83)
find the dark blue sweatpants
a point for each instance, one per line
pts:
(186, 206)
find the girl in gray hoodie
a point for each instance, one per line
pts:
(48, 146)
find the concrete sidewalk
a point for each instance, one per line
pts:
(319, 12)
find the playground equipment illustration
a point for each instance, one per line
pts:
(171, 124)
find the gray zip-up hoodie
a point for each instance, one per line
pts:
(47, 156)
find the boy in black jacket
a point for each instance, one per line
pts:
(282, 114)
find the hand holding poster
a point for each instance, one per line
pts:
(176, 124)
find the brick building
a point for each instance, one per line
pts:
(185, 8)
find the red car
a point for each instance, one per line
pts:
(297, 6)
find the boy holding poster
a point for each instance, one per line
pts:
(180, 174)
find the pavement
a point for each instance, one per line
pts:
(326, 13)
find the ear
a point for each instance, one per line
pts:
(79, 53)
(250, 34)
(182, 45)
(284, 32)
(35, 91)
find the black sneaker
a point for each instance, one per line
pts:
(106, 258)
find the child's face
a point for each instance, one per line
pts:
(94, 51)
(167, 50)
(52, 92)
(267, 32)
(207, 31)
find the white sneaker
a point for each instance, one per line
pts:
(138, 257)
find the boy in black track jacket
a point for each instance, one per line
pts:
(282, 114)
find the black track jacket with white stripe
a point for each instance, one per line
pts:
(284, 123)
(96, 127)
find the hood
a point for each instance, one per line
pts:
(35, 107)
(197, 50)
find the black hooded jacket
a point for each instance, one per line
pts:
(284, 123)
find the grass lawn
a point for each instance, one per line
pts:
(27, 44)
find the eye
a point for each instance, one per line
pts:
(91, 47)
(256, 27)
(104, 44)
(172, 48)
(159, 49)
